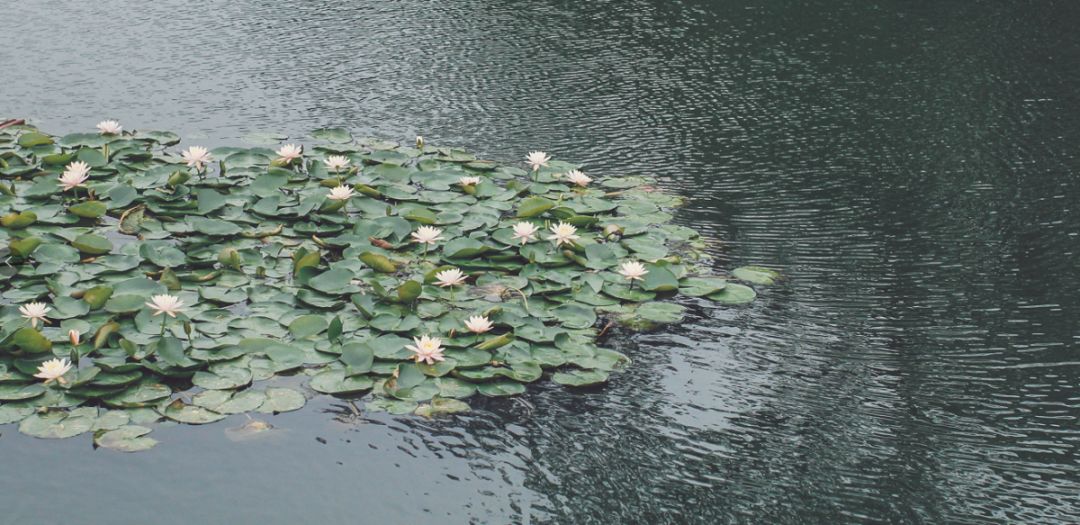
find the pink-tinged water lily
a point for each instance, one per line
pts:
(73, 336)
(336, 162)
(197, 157)
(563, 234)
(165, 304)
(35, 312)
(75, 175)
(633, 270)
(478, 324)
(427, 349)
(469, 181)
(341, 193)
(578, 178)
(53, 370)
(451, 277)
(109, 127)
(289, 153)
(525, 231)
(427, 235)
(536, 159)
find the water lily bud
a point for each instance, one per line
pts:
(331, 183)
(178, 178)
(73, 336)
(612, 230)
(260, 272)
(419, 142)
(367, 190)
(229, 257)
(187, 329)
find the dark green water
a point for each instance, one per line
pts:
(910, 165)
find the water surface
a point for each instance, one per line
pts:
(909, 165)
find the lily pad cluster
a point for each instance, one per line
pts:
(306, 263)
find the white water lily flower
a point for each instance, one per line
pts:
(35, 312)
(427, 349)
(75, 175)
(536, 159)
(53, 370)
(165, 304)
(633, 270)
(336, 162)
(109, 127)
(578, 178)
(526, 231)
(341, 193)
(563, 234)
(290, 152)
(196, 157)
(427, 235)
(478, 324)
(449, 277)
(73, 336)
(469, 181)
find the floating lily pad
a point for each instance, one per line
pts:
(579, 377)
(335, 382)
(756, 275)
(439, 406)
(128, 438)
(190, 414)
(282, 400)
(59, 424)
(734, 294)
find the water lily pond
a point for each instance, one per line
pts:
(148, 280)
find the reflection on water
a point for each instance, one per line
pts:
(909, 165)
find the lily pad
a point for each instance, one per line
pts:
(756, 275)
(734, 294)
(128, 438)
(282, 400)
(577, 377)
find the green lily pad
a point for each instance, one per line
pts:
(335, 382)
(579, 377)
(439, 406)
(130, 438)
(734, 294)
(89, 209)
(500, 388)
(756, 275)
(223, 378)
(91, 244)
(308, 325)
(282, 400)
(58, 424)
(31, 341)
(193, 415)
